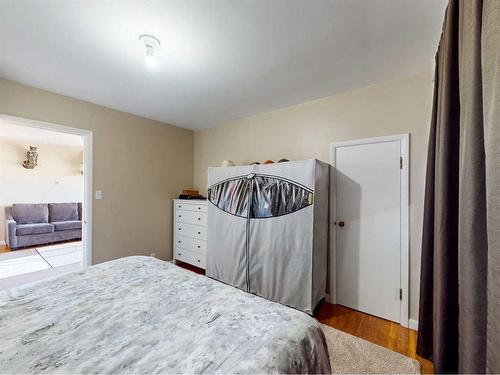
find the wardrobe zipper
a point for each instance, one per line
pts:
(247, 234)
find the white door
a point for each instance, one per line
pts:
(368, 226)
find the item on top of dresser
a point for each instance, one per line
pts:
(192, 197)
(283, 160)
(255, 163)
(191, 194)
(268, 162)
(228, 163)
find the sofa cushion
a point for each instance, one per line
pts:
(37, 228)
(62, 212)
(29, 213)
(67, 225)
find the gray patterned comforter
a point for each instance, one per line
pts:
(142, 315)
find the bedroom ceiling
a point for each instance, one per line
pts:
(219, 60)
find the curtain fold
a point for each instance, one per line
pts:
(490, 60)
(473, 246)
(460, 269)
(425, 332)
(438, 336)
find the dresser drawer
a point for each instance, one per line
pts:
(191, 217)
(189, 243)
(190, 230)
(191, 207)
(191, 257)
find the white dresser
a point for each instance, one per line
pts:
(190, 232)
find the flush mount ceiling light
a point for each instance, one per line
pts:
(150, 42)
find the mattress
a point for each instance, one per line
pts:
(143, 315)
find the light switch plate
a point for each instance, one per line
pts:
(98, 194)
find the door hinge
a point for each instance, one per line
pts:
(400, 162)
(400, 294)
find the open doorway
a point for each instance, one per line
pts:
(45, 200)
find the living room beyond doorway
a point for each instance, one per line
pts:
(42, 208)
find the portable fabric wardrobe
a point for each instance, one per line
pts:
(268, 230)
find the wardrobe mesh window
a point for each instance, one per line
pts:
(270, 196)
(276, 197)
(231, 196)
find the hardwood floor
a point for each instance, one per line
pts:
(190, 267)
(371, 328)
(368, 327)
(4, 249)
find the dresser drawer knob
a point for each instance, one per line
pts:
(198, 261)
(199, 232)
(199, 208)
(179, 241)
(179, 228)
(199, 218)
(178, 253)
(180, 215)
(199, 246)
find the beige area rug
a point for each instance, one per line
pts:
(352, 355)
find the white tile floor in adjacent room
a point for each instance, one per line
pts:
(20, 266)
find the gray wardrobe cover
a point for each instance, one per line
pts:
(268, 228)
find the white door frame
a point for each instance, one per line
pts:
(87, 173)
(404, 267)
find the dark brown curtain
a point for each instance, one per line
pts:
(460, 266)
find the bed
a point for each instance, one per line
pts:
(143, 315)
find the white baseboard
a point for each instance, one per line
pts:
(413, 324)
(2, 242)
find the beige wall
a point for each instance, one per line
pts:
(306, 130)
(139, 165)
(57, 178)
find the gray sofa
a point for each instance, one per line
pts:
(42, 223)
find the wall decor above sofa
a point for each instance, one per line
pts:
(31, 158)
